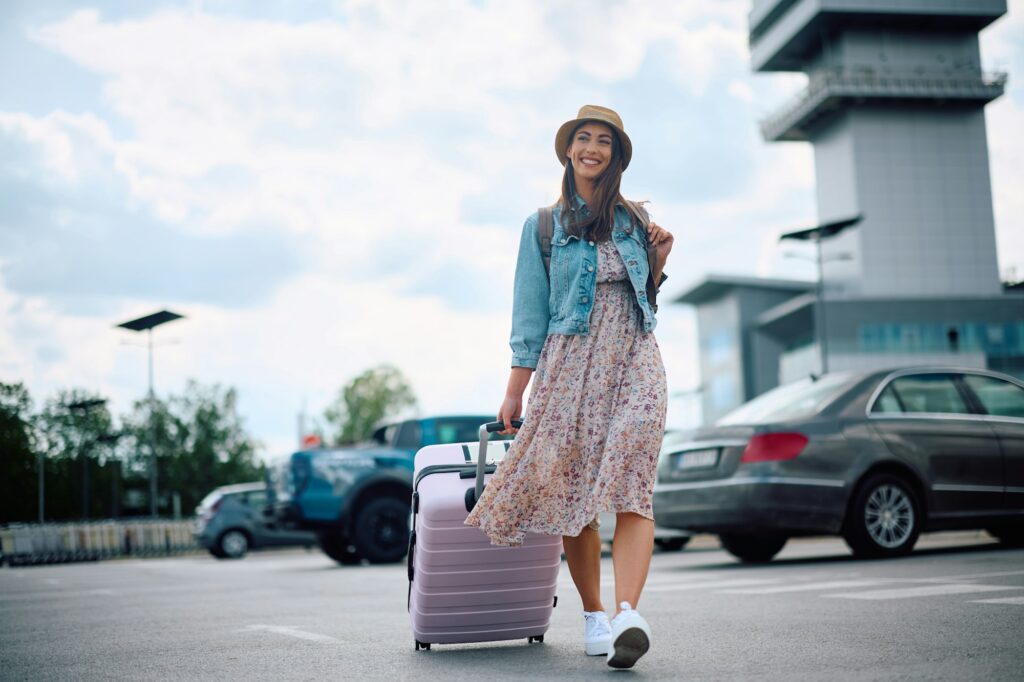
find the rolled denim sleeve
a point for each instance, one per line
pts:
(530, 312)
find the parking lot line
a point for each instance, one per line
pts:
(293, 632)
(829, 585)
(655, 580)
(971, 576)
(1019, 601)
(923, 591)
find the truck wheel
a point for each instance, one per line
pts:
(753, 548)
(884, 519)
(382, 530)
(339, 549)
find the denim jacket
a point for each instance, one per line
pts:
(561, 303)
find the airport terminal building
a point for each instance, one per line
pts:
(894, 108)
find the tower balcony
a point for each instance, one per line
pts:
(830, 90)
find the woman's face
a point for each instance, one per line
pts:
(590, 151)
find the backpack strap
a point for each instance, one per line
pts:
(545, 229)
(640, 216)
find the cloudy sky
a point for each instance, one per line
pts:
(325, 186)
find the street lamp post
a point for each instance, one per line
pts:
(85, 406)
(41, 463)
(147, 324)
(816, 234)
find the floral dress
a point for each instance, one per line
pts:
(593, 427)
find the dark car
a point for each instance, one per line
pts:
(233, 519)
(876, 457)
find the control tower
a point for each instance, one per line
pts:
(894, 106)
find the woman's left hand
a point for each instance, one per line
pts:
(662, 240)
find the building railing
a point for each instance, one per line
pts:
(825, 84)
(46, 543)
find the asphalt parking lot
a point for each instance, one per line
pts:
(954, 610)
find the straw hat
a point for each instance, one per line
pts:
(592, 112)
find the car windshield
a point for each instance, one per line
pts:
(798, 399)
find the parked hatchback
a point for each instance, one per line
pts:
(233, 519)
(876, 457)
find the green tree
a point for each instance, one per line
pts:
(18, 470)
(374, 395)
(200, 444)
(78, 453)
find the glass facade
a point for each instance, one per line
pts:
(994, 339)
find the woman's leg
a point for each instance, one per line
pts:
(583, 554)
(631, 556)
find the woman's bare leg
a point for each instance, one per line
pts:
(631, 556)
(583, 554)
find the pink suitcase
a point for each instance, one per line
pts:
(462, 588)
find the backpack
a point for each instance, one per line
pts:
(546, 228)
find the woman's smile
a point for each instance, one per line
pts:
(590, 150)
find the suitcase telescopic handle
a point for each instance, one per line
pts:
(481, 459)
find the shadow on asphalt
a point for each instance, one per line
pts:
(848, 558)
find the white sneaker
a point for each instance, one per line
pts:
(631, 637)
(597, 633)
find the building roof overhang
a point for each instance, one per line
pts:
(788, 319)
(784, 34)
(715, 286)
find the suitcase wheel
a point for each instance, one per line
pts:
(539, 639)
(426, 645)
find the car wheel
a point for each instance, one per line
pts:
(382, 530)
(232, 544)
(753, 548)
(884, 519)
(339, 549)
(1009, 534)
(671, 544)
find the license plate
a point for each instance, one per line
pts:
(696, 459)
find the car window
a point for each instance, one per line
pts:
(409, 435)
(933, 393)
(389, 433)
(887, 401)
(457, 430)
(998, 397)
(797, 399)
(256, 498)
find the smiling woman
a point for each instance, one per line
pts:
(583, 320)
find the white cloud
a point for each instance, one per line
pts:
(362, 138)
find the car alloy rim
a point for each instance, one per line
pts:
(235, 543)
(889, 516)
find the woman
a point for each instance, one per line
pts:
(590, 443)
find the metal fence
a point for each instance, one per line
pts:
(47, 543)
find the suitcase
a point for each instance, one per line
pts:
(461, 588)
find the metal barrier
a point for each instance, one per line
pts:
(48, 543)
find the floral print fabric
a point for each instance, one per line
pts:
(592, 429)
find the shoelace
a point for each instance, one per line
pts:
(595, 621)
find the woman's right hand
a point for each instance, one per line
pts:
(511, 408)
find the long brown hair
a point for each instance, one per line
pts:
(598, 225)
